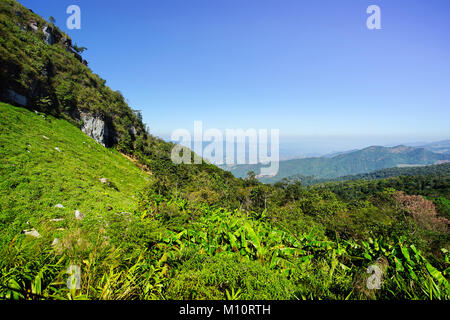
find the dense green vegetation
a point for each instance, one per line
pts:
(138, 226)
(435, 170)
(351, 163)
(144, 238)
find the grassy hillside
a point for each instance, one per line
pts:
(35, 176)
(356, 162)
(53, 79)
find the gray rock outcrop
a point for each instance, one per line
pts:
(33, 25)
(96, 127)
(49, 38)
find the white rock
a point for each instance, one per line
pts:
(57, 149)
(46, 138)
(59, 205)
(33, 25)
(55, 242)
(103, 180)
(79, 215)
(33, 233)
(57, 220)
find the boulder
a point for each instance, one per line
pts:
(33, 25)
(96, 127)
(49, 37)
(132, 131)
(79, 215)
(32, 233)
(59, 205)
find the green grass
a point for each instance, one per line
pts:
(34, 176)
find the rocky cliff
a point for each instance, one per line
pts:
(42, 70)
(97, 127)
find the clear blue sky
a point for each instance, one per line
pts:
(305, 67)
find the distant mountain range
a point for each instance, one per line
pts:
(438, 147)
(354, 162)
(436, 170)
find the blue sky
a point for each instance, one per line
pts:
(308, 68)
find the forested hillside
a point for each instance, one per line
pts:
(437, 170)
(439, 146)
(355, 162)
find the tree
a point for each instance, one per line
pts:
(79, 49)
(52, 20)
(258, 196)
(251, 179)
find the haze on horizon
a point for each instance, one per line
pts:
(309, 68)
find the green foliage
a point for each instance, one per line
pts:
(443, 206)
(227, 277)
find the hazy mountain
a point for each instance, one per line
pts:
(438, 147)
(436, 170)
(356, 162)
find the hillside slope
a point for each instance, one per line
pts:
(42, 70)
(35, 176)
